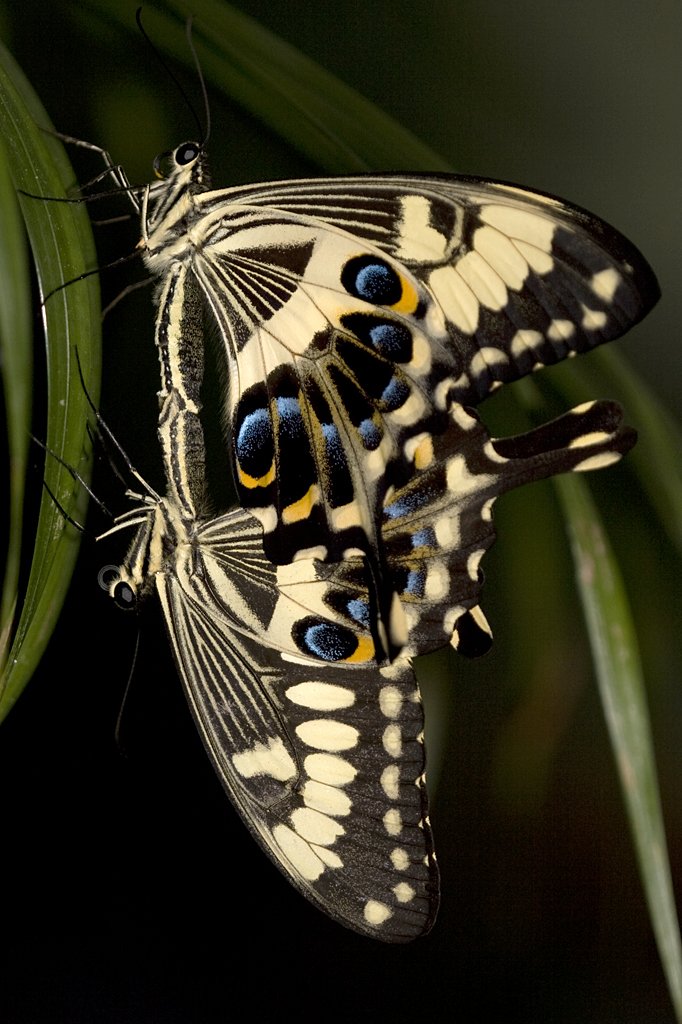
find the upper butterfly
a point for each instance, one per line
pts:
(357, 312)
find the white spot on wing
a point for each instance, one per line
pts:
(321, 696)
(486, 357)
(539, 261)
(519, 224)
(271, 758)
(450, 618)
(345, 516)
(331, 859)
(328, 734)
(318, 552)
(329, 769)
(267, 516)
(459, 303)
(485, 283)
(376, 913)
(460, 481)
(561, 330)
(390, 781)
(393, 823)
(419, 240)
(487, 510)
(473, 562)
(400, 859)
(421, 354)
(410, 411)
(316, 827)
(327, 799)
(502, 256)
(597, 462)
(605, 283)
(525, 340)
(392, 740)
(596, 437)
(447, 532)
(593, 319)
(437, 582)
(390, 701)
(297, 851)
(403, 892)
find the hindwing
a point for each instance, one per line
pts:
(316, 738)
(319, 748)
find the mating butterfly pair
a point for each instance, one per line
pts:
(361, 320)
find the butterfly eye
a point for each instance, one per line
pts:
(124, 596)
(187, 153)
(123, 593)
(373, 280)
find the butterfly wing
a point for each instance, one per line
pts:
(355, 312)
(319, 749)
(438, 526)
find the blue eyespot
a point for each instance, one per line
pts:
(414, 584)
(373, 280)
(333, 444)
(425, 538)
(325, 640)
(289, 410)
(388, 338)
(359, 610)
(394, 341)
(395, 394)
(406, 504)
(370, 434)
(254, 438)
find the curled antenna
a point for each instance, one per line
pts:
(169, 71)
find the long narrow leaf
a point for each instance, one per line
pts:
(621, 687)
(62, 249)
(16, 347)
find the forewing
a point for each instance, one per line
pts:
(356, 311)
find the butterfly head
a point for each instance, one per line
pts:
(119, 585)
(185, 163)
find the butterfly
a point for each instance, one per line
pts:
(361, 321)
(315, 735)
(355, 314)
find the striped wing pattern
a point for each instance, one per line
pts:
(319, 748)
(318, 742)
(362, 321)
(355, 313)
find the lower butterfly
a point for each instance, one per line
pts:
(316, 737)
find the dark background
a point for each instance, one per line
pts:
(130, 892)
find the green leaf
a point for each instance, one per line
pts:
(621, 686)
(62, 249)
(325, 119)
(332, 125)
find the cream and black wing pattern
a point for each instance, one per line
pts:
(316, 737)
(356, 313)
